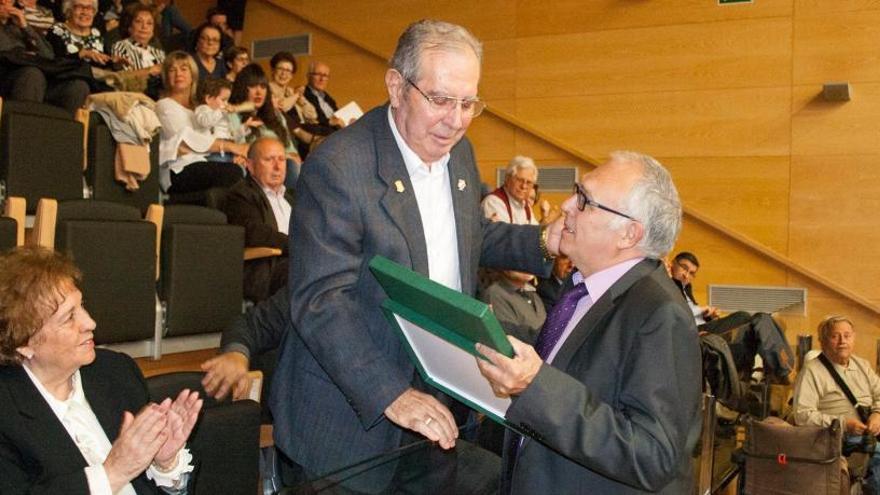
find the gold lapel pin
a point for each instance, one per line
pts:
(398, 184)
(461, 184)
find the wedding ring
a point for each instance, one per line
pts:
(428, 421)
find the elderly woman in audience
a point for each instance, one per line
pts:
(77, 419)
(235, 58)
(182, 150)
(206, 51)
(135, 50)
(78, 38)
(252, 86)
(290, 101)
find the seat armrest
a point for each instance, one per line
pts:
(253, 253)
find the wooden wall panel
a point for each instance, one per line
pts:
(681, 123)
(837, 47)
(575, 16)
(834, 223)
(735, 54)
(824, 8)
(835, 128)
(747, 194)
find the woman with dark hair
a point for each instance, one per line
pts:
(235, 58)
(252, 86)
(290, 101)
(183, 165)
(205, 50)
(76, 419)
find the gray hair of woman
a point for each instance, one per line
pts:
(67, 7)
(428, 34)
(653, 201)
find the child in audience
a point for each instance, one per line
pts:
(212, 115)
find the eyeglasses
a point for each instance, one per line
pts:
(471, 107)
(320, 75)
(283, 69)
(691, 273)
(209, 40)
(583, 200)
(87, 8)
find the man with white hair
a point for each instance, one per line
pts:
(609, 396)
(509, 203)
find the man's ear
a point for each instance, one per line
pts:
(632, 235)
(395, 84)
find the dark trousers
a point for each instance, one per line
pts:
(30, 84)
(201, 176)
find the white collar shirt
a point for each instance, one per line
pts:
(434, 196)
(280, 207)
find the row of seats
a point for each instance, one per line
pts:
(48, 154)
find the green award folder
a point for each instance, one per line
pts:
(439, 327)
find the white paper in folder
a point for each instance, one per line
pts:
(349, 112)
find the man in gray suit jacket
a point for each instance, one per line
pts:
(401, 182)
(609, 397)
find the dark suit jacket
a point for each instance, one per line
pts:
(618, 411)
(550, 289)
(323, 128)
(246, 205)
(37, 454)
(343, 365)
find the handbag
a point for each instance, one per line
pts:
(864, 412)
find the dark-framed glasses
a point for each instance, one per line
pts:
(583, 199)
(471, 107)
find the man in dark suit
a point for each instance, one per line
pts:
(316, 93)
(609, 397)
(550, 288)
(262, 205)
(400, 182)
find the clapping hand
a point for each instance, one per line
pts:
(182, 415)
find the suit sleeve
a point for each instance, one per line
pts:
(327, 265)
(241, 210)
(261, 328)
(639, 440)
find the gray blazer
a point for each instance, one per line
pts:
(618, 412)
(343, 365)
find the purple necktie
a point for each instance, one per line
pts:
(558, 319)
(547, 339)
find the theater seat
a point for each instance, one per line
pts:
(200, 281)
(42, 152)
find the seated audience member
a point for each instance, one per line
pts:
(316, 93)
(38, 17)
(212, 115)
(819, 399)
(77, 419)
(516, 304)
(183, 151)
(509, 203)
(235, 58)
(262, 205)
(251, 86)
(550, 288)
(142, 59)
(205, 49)
(28, 65)
(234, 10)
(760, 333)
(77, 37)
(290, 101)
(257, 332)
(217, 17)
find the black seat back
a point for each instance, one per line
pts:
(42, 152)
(8, 233)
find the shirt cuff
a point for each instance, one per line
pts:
(171, 478)
(99, 483)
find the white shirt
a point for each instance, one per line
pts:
(280, 207)
(434, 196)
(177, 128)
(493, 206)
(597, 284)
(325, 107)
(77, 417)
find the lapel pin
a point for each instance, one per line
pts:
(398, 184)
(461, 184)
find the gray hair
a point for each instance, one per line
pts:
(428, 34)
(827, 324)
(67, 6)
(653, 201)
(520, 162)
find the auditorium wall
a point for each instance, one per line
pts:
(726, 96)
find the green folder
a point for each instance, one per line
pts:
(439, 327)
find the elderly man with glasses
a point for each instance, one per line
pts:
(609, 396)
(400, 182)
(316, 93)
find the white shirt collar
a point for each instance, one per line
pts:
(414, 164)
(59, 407)
(599, 282)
